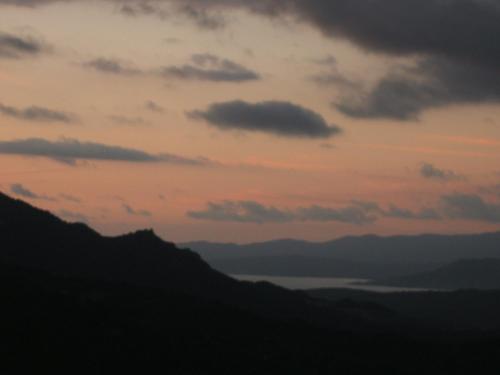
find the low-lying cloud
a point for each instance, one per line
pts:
(70, 150)
(357, 213)
(471, 207)
(456, 206)
(274, 117)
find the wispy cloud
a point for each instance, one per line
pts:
(112, 66)
(22, 191)
(73, 216)
(207, 67)
(134, 212)
(38, 114)
(153, 106)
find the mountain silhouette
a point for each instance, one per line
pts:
(370, 256)
(38, 240)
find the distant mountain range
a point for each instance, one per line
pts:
(462, 274)
(360, 257)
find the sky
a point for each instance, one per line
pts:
(238, 121)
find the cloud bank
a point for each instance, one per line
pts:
(357, 213)
(471, 207)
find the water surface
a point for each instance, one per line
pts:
(323, 282)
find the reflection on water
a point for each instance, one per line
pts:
(323, 282)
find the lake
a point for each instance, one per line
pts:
(323, 282)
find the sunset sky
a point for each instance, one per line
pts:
(243, 121)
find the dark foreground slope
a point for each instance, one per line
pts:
(463, 274)
(74, 302)
(60, 325)
(461, 310)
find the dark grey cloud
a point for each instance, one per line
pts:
(275, 117)
(207, 67)
(17, 47)
(356, 213)
(434, 82)
(471, 207)
(111, 66)
(459, 29)
(131, 211)
(154, 107)
(431, 172)
(22, 191)
(37, 114)
(71, 150)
